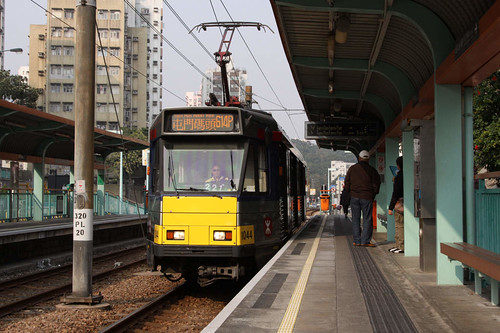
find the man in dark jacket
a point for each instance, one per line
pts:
(397, 195)
(363, 182)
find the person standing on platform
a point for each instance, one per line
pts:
(363, 183)
(345, 200)
(396, 207)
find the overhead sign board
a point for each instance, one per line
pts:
(339, 130)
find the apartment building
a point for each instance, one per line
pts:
(237, 79)
(122, 54)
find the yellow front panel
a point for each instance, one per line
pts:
(198, 235)
(190, 219)
(158, 237)
(224, 205)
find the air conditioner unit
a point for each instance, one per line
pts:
(41, 37)
(41, 55)
(144, 10)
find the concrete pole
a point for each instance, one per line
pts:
(121, 184)
(470, 219)
(84, 151)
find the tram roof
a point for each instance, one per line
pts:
(26, 133)
(385, 71)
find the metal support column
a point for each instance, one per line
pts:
(391, 154)
(412, 241)
(38, 175)
(449, 189)
(470, 220)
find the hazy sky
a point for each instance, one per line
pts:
(178, 75)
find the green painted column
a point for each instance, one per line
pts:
(449, 188)
(412, 241)
(38, 174)
(100, 192)
(381, 197)
(391, 154)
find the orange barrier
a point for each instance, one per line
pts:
(374, 214)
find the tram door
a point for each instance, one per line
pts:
(425, 192)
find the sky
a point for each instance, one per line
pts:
(178, 75)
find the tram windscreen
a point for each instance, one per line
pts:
(202, 167)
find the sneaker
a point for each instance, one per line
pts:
(399, 251)
(355, 244)
(369, 245)
(392, 249)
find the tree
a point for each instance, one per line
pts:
(15, 88)
(132, 160)
(486, 104)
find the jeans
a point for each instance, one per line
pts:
(358, 205)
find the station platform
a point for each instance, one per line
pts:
(320, 282)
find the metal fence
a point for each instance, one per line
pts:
(16, 205)
(488, 218)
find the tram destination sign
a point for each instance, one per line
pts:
(337, 130)
(202, 122)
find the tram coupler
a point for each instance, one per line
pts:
(209, 274)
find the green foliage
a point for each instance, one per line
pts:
(486, 105)
(318, 161)
(132, 160)
(15, 88)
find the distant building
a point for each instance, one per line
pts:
(194, 98)
(24, 71)
(130, 48)
(237, 79)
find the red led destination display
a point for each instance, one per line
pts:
(202, 122)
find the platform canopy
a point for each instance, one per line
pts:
(31, 135)
(376, 62)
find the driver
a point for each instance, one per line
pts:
(217, 182)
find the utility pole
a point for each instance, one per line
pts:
(83, 216)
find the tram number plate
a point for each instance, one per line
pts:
(83, 225)
(246, 234)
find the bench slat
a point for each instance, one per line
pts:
(487, 263)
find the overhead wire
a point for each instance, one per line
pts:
(260, 68)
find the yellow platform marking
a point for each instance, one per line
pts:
(292, 310)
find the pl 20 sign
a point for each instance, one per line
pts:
(316, 130)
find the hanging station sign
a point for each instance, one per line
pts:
(316, 130)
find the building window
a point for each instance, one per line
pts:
(69, 13)
(103, 33)
(68, 88)
(69, 51)
(155, 23)
(55, 71)
(102, 107)
(114, 70)
(55, 107)
(114, 15)
(155, 103)
(155, 49)
(102, 15)
(114, 34)
(55, 88)
(68, 71)
(115, 89)
(56, 50)
(113, 126)
(101, 89)
(101, 70)
(56, 32)
(115, 51)
(57, 12)
(68, 107)
(111, 107)
(101, 125)
(69, 32)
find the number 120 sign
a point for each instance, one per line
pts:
(82, 225)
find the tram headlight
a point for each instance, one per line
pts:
(175, 235)
(223, 235)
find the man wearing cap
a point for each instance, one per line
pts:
(363, 182)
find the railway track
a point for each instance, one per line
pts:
(182, 309)
(25, 291)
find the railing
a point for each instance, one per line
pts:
(488, 214)
(15, 205)
(18, 205)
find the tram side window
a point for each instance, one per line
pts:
(155, 168)
(249, 183)
(262, 169)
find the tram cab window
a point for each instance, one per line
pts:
(202, 167)
(256, 161)
(249, 183)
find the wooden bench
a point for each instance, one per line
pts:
(484, 262)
